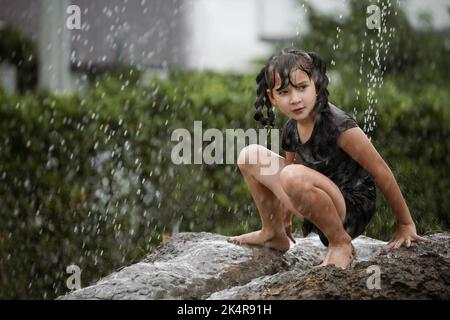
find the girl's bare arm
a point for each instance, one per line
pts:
(293, 158)
(356, 144)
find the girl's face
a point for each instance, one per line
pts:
(295, 101)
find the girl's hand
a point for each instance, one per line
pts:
(286, 216)
(404, 234)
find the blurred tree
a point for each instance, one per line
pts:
(20, 51)
(407, 53)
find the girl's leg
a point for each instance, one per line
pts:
(294, 189)
(321, 202)
(274, 205)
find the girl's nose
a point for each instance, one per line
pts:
(296, 98)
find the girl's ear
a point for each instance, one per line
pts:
(271, 97)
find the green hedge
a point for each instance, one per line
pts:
(87, 179)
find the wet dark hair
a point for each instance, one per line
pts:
(283, 63)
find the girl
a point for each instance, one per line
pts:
(328, 176)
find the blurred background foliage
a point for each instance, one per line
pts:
(87, 178)
(21, 52)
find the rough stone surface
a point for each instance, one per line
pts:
(206, 266)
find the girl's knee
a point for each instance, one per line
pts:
(251, 154)
(294, 180)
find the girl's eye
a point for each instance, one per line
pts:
(283, 92)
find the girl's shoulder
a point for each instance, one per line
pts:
(341, 119)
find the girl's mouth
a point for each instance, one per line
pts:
(298, 110)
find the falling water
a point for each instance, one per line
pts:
(377, 54)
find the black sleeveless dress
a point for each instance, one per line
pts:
(322, 154)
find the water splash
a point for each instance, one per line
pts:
(377, 50)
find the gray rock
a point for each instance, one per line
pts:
(206, 266)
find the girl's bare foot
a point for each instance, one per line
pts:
(339, 255)
(278, 242)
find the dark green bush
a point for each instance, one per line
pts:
(411, 55)
(88, 180)
(20, 51)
